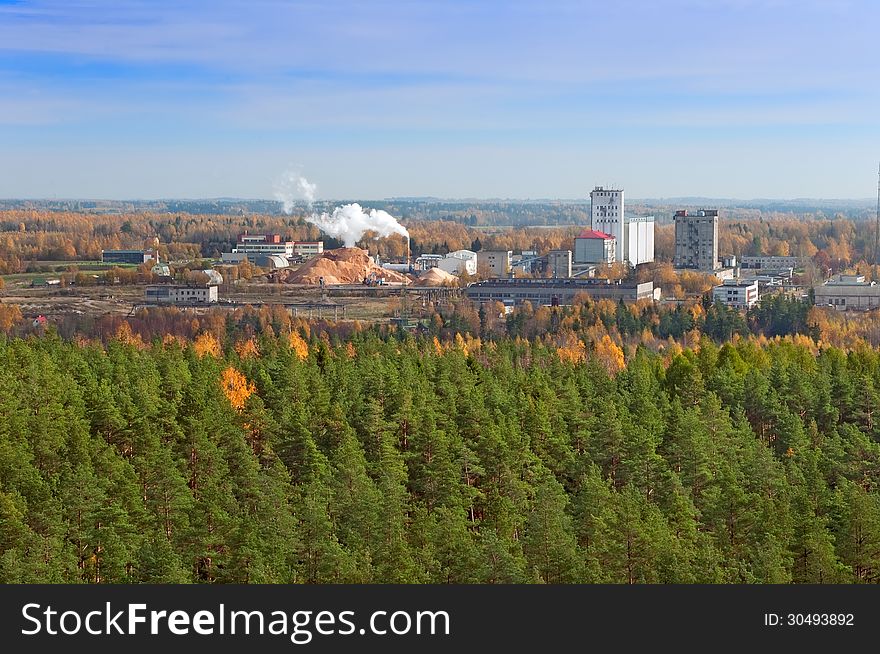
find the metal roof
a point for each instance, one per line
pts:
(594, 233)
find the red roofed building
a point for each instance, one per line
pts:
(594, 233)
(593, 246)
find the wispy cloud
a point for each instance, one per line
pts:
(436, 75)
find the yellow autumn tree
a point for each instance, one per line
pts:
(207, 344)
(10, 315)
(236, 387)
(571, 349)
(609, 355)
(247, 349)
(298, 345)
(125, 335)
(572, 353)
(472, 344)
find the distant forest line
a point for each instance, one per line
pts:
(27, 236)
(493, 211)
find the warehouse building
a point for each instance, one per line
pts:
(176, 294)
(136, 257)
(593, 246)
(848, 292)
(558, 291)
(771, 261)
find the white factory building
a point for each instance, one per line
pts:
(175, 294)
(634, 235)
(459, 262)
(737, 293)
(254, 246)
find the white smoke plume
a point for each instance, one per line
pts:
(349, 222)
(292, 186)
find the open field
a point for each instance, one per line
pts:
(124, 299)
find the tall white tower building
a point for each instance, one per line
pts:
(634, 234)
(606, 214)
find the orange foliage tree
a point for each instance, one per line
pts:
(298, 345)
(572, 350)
(236, 387)
(247, 349)
(125, 335)
(10, 315)
(609, 354)
(207, 343)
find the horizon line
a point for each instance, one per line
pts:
(418, 198)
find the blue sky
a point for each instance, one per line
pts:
(722, 98)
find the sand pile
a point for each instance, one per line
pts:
(437, 277)
(341, 266)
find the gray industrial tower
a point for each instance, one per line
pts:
(696, 239)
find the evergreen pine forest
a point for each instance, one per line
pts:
(393, 458)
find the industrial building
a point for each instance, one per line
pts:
(606, 215)
(696, 239)
(558, 291)
(136, 257)
(497, 262)
(638, 239)
(766, 275)
(233, 257)
(254, 246)
(176, 294)
(559, 263)
(308, 249)
(459, 262)
(204, 292)
(771, 261)
(593, 246)
(848, 292)
(634, 235)
(273, 261)
(737, 293)
(427, 261)
(263, 244)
